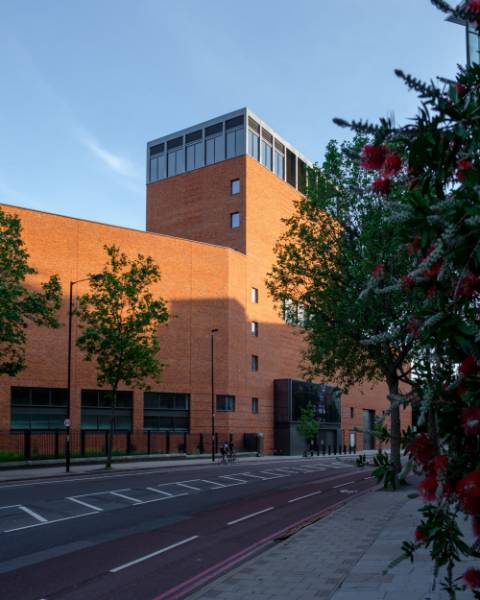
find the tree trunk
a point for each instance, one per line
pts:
(108, 464)
(395, 430)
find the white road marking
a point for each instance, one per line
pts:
(342, 485)
(371, 477)
(160, 499)
(32, 513)
(83, 503)
(275, 475)
(239, 481)
(306, 496)
(248, 474)
(130, 498)
(189, 487)
(9, 506)
(147, 556)
(348, 491)
(259, 512)
(52, 521)
(158, 491)
(219, 485)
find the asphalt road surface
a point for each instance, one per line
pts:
(157, 534)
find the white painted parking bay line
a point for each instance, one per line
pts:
(169, 497)
(342, 484)
(130, 498)
(51, 522)
(259, 512)
(239, 481)
(189, 487)
(93, 507)
(306, 496)
(219, 485)
(147, 556)
(33, 514)
(159, 491)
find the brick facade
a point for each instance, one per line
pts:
(208, 270)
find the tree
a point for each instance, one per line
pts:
(19, 305)
(435, 203)
(336, 246)
(119, 320)
(307, 425)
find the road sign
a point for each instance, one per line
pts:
(67, 423)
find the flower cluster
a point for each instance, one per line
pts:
(379, 158)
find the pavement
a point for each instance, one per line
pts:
(343, 556)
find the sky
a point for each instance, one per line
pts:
(86, 84)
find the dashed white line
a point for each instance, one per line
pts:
(259, 512)
(229, 477)
(160, 499)
(306, 496)
(83, 503)
(147, 556)
(219, 485)
(33, 514)
(342, 484)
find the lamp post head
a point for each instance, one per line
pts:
(98, 277)
(213, 331)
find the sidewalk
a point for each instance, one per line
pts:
(341, 557)
(58, 470)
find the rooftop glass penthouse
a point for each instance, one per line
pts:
(234, 134)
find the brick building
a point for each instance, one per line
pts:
(216, 194)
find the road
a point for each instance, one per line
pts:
(156, 534)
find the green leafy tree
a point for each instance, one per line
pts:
(119, 319)
(19, 305)
(307, 425)
(335, 247)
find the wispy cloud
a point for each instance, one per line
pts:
(113, 161)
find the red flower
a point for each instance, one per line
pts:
(474, 6)
(432, 290)
(377, 270)
(413, 327)
(471, 420)
(422, 449)
(460, 89)
(381, 186)
(440, 463)
(472, 576)
(469, 285)
(469, 366)
(476, 526)
(469, 486)
(428, 487)
(463, 166)
(407, 282)
(391, 165)
(373, 157)
(414, 246)
(470, 506)
(434, 269)
(420, 535)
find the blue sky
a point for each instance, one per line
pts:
(86, 84)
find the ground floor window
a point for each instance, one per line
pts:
(165, 411)
(38, 408)
(97, 410)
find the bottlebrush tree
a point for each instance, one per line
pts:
(435, 201)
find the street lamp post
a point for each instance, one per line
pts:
(212, 334)
(69, 365)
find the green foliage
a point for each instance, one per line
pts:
(385, 471)
(19, 305)
(307, 425)
(433, 202)
(119, 320)
(333, 242)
